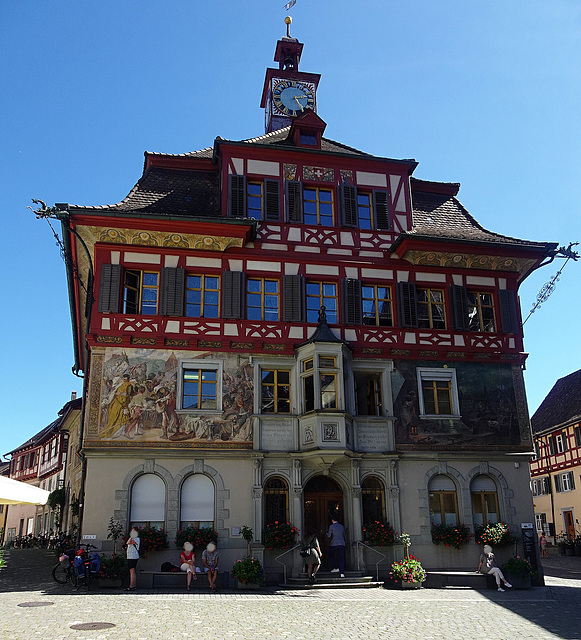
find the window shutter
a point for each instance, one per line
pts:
(571, 480)
(577, 431)
(272, 200)
(546, 486)
(551, 445)
(293, 301)
(459, 304)
(565, 441)
(558, 487)
(348, 204)
(110, 288)
(407, 306)
(509, 319)
(351, 295)
(90, 299)
(237, 196)
(381, 208)
(294, 201)
(232, 294)
(171, 294)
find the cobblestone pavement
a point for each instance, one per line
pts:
(430, 614)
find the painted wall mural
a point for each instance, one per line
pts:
(140, 404)
(487, 406)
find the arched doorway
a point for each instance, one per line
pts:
(323, 500)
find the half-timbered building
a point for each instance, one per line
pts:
(284, 327)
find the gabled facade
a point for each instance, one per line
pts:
(285, 328)
(556, 467)
(41, 461)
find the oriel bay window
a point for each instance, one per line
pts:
(202, 296)
(275, 391)
(320, 383)
(262, 299)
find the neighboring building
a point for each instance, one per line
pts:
(221, 393)
(556, 467)
(41, 462)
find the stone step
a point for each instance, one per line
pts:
(340, 583)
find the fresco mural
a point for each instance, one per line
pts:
(487, 407)
(139, 400)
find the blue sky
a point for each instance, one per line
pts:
(483, 93)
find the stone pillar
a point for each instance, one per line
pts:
(257, 493)
(393, 506)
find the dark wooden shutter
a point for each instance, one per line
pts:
(271, 200)
(172, 290)
(237, 196)
(509, 319)
(90, 295)
(551, 441)
(558, 488)
(232, 294)
(293, 298)
(571, 480)
(351, 294)
(294, 201)
(546, 486)
(110, 288)
(381, 209)
(565, 441)
(407, 305)
(348, 204)
(459, 307)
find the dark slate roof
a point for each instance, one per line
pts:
(562, 404)
(437, 215)
(172, 192)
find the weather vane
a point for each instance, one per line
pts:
(288, 6)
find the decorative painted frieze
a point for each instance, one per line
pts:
(468, 261)
(318, 173)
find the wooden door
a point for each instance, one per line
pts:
(569, 524)
(323, 500)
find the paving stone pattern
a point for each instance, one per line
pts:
(430, 614)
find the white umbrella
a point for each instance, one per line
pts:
(14, 492)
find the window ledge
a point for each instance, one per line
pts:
(439, 417)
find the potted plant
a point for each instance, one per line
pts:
(451, 535)
(379, 534)
(578, 545)
(495, 534)
(113, 570)
(151, 539)
(115, 531)
(569, 547)
(518, 572)
(279, 535)
(248, 535)
(198, 536)
(248, 573)
(408, 572)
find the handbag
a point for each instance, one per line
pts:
(306, 551)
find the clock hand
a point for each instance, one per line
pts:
(297, 101)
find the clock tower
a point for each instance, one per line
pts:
(287, 91)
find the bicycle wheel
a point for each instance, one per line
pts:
(60, 573)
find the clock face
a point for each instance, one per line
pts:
(291, 97)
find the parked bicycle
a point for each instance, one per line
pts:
(78, 568)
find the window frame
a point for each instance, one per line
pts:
(321, 298)
(436, 375)
(479, 306)
(317, 201)
(250, 182)
(275, 385)
(271, 491)
(201, 365)
(197, 523)
(373, 492)
(430, 305)
(441, 494)
(376, 300)
(139, 291)
(263, 295)
(203, 290)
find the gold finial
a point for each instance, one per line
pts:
(288, 20)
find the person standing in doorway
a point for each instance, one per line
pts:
(337, 547)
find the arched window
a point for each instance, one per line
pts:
(275, 501)
(443, 500)
(373, 500)
(148, 501)
(484, 500)
(197, 502)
